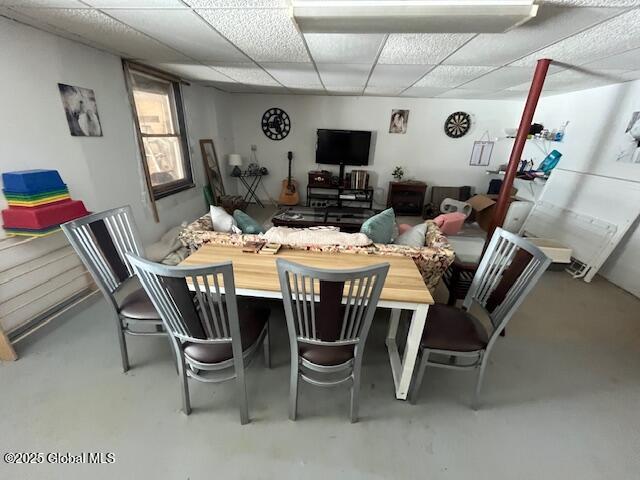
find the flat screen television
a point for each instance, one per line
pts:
(343, 147)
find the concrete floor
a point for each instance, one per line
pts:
(561, 400)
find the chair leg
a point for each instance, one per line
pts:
(266, 345)
(293, 389)
(184, 383)
(417, 383)
(123, 345)
(476, 395)
(355, 397)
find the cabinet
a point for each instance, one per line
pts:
(406, 198)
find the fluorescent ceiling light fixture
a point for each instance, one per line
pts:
(411, 16)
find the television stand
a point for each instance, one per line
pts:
(336, 196)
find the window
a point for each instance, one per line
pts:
(161, 129)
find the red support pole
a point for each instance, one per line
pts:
(518, 146)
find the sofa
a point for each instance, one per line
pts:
(432, 259)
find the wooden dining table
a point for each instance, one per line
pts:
(256, 276)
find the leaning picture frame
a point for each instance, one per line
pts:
(212, 168)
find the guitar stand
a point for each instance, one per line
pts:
(251, 181)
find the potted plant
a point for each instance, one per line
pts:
(398, 173)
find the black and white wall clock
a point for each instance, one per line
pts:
(457, 124)
(276, 123)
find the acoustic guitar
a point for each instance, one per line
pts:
(289, 194)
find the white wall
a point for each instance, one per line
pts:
(103, 172)
(597, 117)
(424, 151)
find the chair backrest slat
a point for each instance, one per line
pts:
(209, 314)
(102, 241)
(356, 307)
(509, 269)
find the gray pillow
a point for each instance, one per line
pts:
(413, 237)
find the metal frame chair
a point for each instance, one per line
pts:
(102, 241)
(499, 292)
(313, 322)
(209, 317)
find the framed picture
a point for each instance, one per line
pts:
(629, 149)
(212, 168)
(81, 111)
(481, 153)
(399, 121)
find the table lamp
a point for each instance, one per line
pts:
(235, 160)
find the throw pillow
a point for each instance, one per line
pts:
(221, 221)
(315, 236)
(246, 223)
(380, 228)
(413, 237)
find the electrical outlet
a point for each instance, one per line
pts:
(254, 148)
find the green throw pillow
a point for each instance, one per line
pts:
(246, 223)
(380, 227)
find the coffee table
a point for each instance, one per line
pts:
(349, 219)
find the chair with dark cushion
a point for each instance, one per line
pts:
(508, 271)
(214, 339)
(328, 314)
(102, 241)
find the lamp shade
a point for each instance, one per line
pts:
(235, 159)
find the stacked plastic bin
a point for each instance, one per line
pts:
(38, 202)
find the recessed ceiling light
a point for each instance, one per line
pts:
(411, 16)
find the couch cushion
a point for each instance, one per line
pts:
(449, 328)
(246, 223)
(413, 237)
(315, 236)
(252, 321)
(380, 228)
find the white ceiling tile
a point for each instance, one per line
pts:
(238, 3)
(200, 73)
(264, 34)
(247, 73)
(136, 3)
(231, 87)
(102, 29)
(464, 93)
(43, 3)
(608, 38)
(423, 92)
(343, 48)
(550, 25)
(505, 77)
(421, 48)
(592, 3)
(296, 75)
(383, 91)
(184, 31)
(623, 61)
(506, 95)
(572, 80)
(343, 75)
(397, 75)
(450, 76)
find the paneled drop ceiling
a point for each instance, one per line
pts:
(254, 46)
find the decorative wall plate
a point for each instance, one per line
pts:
(457, 124)
(276, 123)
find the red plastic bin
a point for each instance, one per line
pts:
(37, 218)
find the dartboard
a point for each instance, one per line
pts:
(276, 124)
(457, 124)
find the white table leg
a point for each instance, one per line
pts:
(403, 371)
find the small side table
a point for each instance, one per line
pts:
(406, 198)
(251, 181)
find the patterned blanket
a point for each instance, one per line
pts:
(432, 260)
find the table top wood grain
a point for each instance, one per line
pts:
(257, 272)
